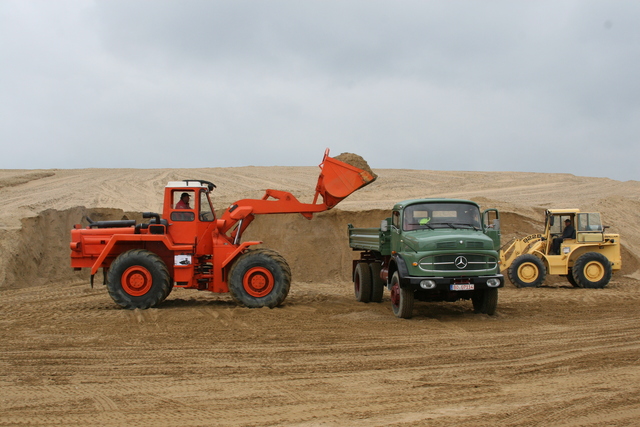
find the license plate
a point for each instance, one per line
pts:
(461, 287)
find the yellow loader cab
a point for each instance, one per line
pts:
(586, 255)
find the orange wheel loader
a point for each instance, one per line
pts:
(189, 247)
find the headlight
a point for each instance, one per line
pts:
(427, 284)
(493, 283)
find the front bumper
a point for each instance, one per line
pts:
(446, 283)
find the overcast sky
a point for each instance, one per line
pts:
(531, 86)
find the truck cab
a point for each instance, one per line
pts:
(435, 242)
(432, 250)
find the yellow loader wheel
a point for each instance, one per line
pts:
(527, 271)
(592, 270)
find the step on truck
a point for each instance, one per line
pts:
(188, 246)
(430, 250)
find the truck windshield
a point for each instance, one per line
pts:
(440, 215)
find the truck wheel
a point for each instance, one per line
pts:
(362, 282)
(485, 301)
(527, 271)
(138, 279)
(592, 270)
(401, 299)
(377, 284)
(260, 278)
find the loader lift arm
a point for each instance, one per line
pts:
(336, 181)
(528, 244)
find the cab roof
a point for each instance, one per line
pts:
(562, 211)
(185, 183)
(191, 183)
(405, 203)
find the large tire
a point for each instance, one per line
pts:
(362, 282)
(377, 284)
(260, 278)
(401, 298)
(572, 280)
(592, 270)
(527, 271)
(138, 278)
(485, 301)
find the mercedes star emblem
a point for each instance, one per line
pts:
(461, 262)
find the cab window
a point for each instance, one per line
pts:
(183, 202)
(589, 222)
(183, 199)
(395, 219)
(558, 223)
(206, 209)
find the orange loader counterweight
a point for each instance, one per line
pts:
(189, 247)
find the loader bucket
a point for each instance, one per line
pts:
(339, 179)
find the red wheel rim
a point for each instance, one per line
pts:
(136, 280)
(395, 295)
(258, 282)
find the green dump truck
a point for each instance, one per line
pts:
(430, 250)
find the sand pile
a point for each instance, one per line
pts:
(356, 161)
(70, 356)
(42, 206)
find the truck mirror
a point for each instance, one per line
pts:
(383, 225)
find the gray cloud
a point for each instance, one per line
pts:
(522, 86)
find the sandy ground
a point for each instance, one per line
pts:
(554, 355)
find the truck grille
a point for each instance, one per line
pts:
(467, 263)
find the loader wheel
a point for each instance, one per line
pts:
(377, 284)
(362, 282)
(592, 270)
(260, 278)
(572, 280)
(138, 279)
(485, 301)
(401, 299)
(527, 271)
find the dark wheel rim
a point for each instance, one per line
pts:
(258, 282)
(136, 280)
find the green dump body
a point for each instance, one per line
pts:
(370, 239)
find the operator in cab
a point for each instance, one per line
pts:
(569, 232)
(183, 203)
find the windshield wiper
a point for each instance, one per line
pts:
(420, 227)
(469, 225)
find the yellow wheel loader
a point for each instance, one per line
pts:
(585, 254)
